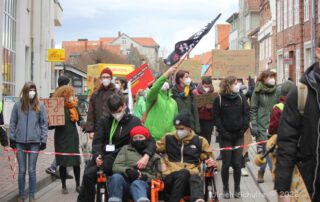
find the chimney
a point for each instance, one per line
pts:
(119, 33)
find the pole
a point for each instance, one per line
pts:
(183, 58)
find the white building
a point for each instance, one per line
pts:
(233, 20)
(27, 33)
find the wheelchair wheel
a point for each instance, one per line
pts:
(101, 195)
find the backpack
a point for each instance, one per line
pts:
(221, 100)
(302, 97)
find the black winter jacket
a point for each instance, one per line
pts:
(231, 115)
(121, 135)
(299, 138)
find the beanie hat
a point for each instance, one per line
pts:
(286, 87)
(106, 71)
(182, 119)
(63, 80)
(140, 130)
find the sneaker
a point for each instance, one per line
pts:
(244, 172)
(78, 188)
(65, 190)
(50, 171)
(226, 194)
(69, 176)
(230, 170)
(237, 194)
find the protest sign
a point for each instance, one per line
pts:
(239, 63)
(194, 68)
(140, 78)
(55, 111)
(203, 100)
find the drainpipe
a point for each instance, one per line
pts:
(313, 32)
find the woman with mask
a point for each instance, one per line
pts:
(160, 107)
(66, 137)
(183, 95)
(126, 175)
(264, 97)
(231, 117)
(205, 112)
(28, 131)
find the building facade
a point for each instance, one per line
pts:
(222, 36)
(297, 30)
(118, 45)
(27, 33)
(233, 20)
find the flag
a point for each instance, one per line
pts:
(182, 47)
(130, 98)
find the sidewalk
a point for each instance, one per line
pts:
(9, 186)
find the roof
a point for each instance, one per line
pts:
(232, 17)
(253, 5)
(145, 41)
(204, 58)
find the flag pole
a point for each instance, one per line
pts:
(183, 58)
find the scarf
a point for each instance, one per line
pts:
(262, 88)
(231, 96)
(74, 117)
(186, 90)
(183, 92)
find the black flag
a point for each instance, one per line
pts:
(183, 47)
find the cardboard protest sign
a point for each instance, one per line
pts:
(140, 78)
(203, 99)
(55, 111)
(8, 103)
(194, 68)
(238, 63)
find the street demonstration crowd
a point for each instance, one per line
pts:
(166, 125)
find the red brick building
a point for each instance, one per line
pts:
(293, 34)
(222, 36)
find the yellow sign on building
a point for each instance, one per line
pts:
(56, 55)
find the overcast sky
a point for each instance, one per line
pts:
(167, 21)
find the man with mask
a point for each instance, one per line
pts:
(97, 106)
(182, 151)
(160, 107)
(113, 132)
(126, 174)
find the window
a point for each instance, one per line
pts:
(297, 64)
(285, 15)
(280, 68)
(123, 40)
(9, 47)
(290, 13)
(296, 12)
(248, 23)
(306, 10)
(279, 16)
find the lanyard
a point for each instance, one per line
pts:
(113, 129)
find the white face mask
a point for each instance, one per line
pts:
(236, 89)
(206, 89)
(165, 86)
(271, 82)
(119, 116)
(187, 81)
(117, 86)
(32, 94)
(106, 82)
(70, 99)
(182, 133)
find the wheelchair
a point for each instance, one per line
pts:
(102, 188)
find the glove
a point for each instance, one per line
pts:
(43, 146)
(13, 144)
(254, 130)
(132, 174)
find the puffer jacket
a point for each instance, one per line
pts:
(299, 137)
(98, 106)
(128, 157)
(160, 118)
(260, 109)
(30, 126)
(183, 154)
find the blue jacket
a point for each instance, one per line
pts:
(30, 126)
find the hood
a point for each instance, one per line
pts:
(308, 77)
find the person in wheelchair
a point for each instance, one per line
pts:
(127, 180)
(113, 132)
(182, 151)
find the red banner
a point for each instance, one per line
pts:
(140, 78)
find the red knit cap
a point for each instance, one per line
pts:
(140, 130)
(106, 71)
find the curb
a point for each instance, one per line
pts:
(42, 183)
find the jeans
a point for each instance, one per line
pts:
(231, 158)
(119, 188)
(269, 162)
(32, 162)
